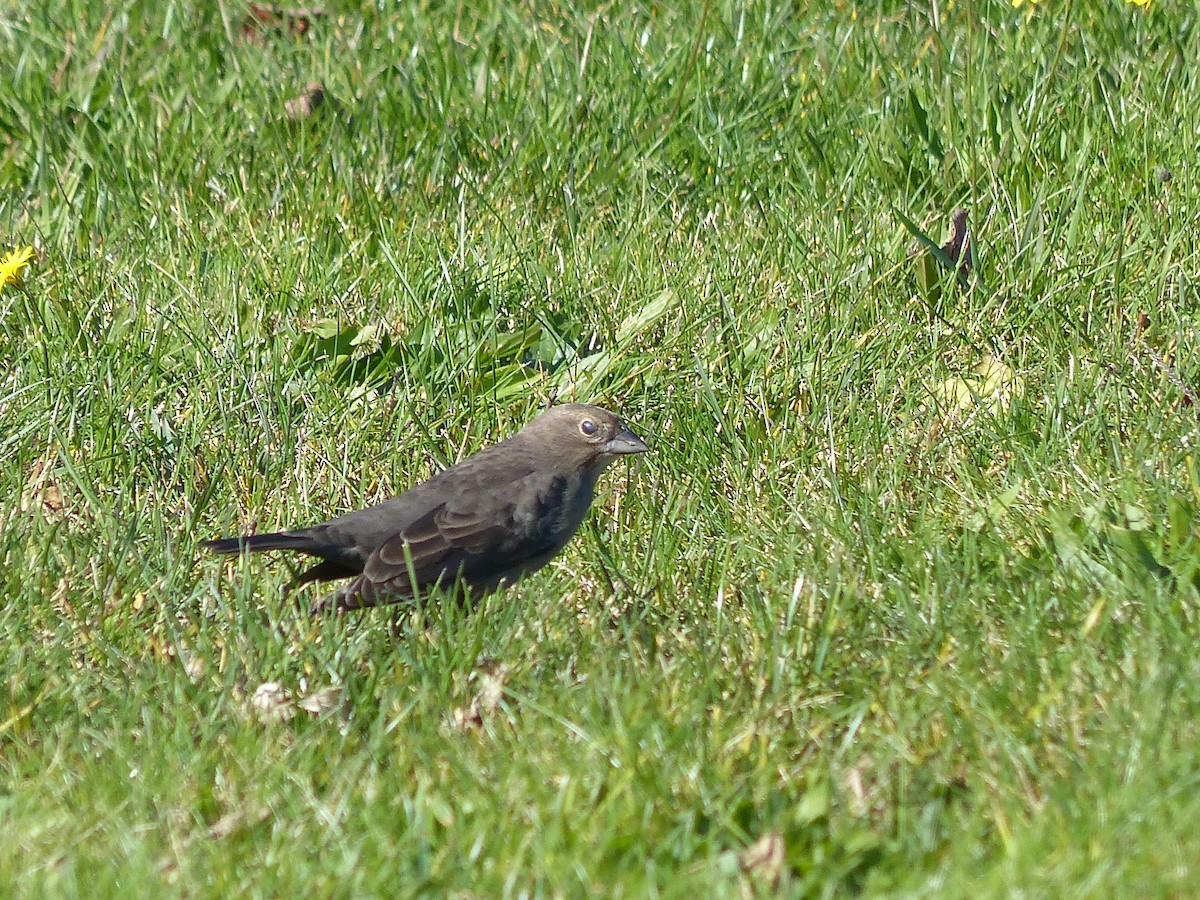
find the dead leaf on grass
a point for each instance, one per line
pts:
(272, 702)
(765, 858)
(492, 676)
(306, 104)
(466, 718)
(235, 820)
(489, 676)
(43, 492)
(320, 702)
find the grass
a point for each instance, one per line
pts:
(906, 591)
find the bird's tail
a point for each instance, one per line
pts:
(279, 540)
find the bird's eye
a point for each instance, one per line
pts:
(588, 427)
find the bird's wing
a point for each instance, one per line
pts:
(481, 532)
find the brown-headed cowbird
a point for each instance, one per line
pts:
(495, 516)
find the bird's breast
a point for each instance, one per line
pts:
(555, 509)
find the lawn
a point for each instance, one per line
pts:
(904, 599)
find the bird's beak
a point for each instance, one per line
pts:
(625, 442)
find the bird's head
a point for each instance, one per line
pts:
(589, 436)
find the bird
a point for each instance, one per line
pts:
(487, 521)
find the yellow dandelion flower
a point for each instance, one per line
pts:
(1144, 4)
(1017, 4)
(13, 264)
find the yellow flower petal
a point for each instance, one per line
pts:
(13, 264)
